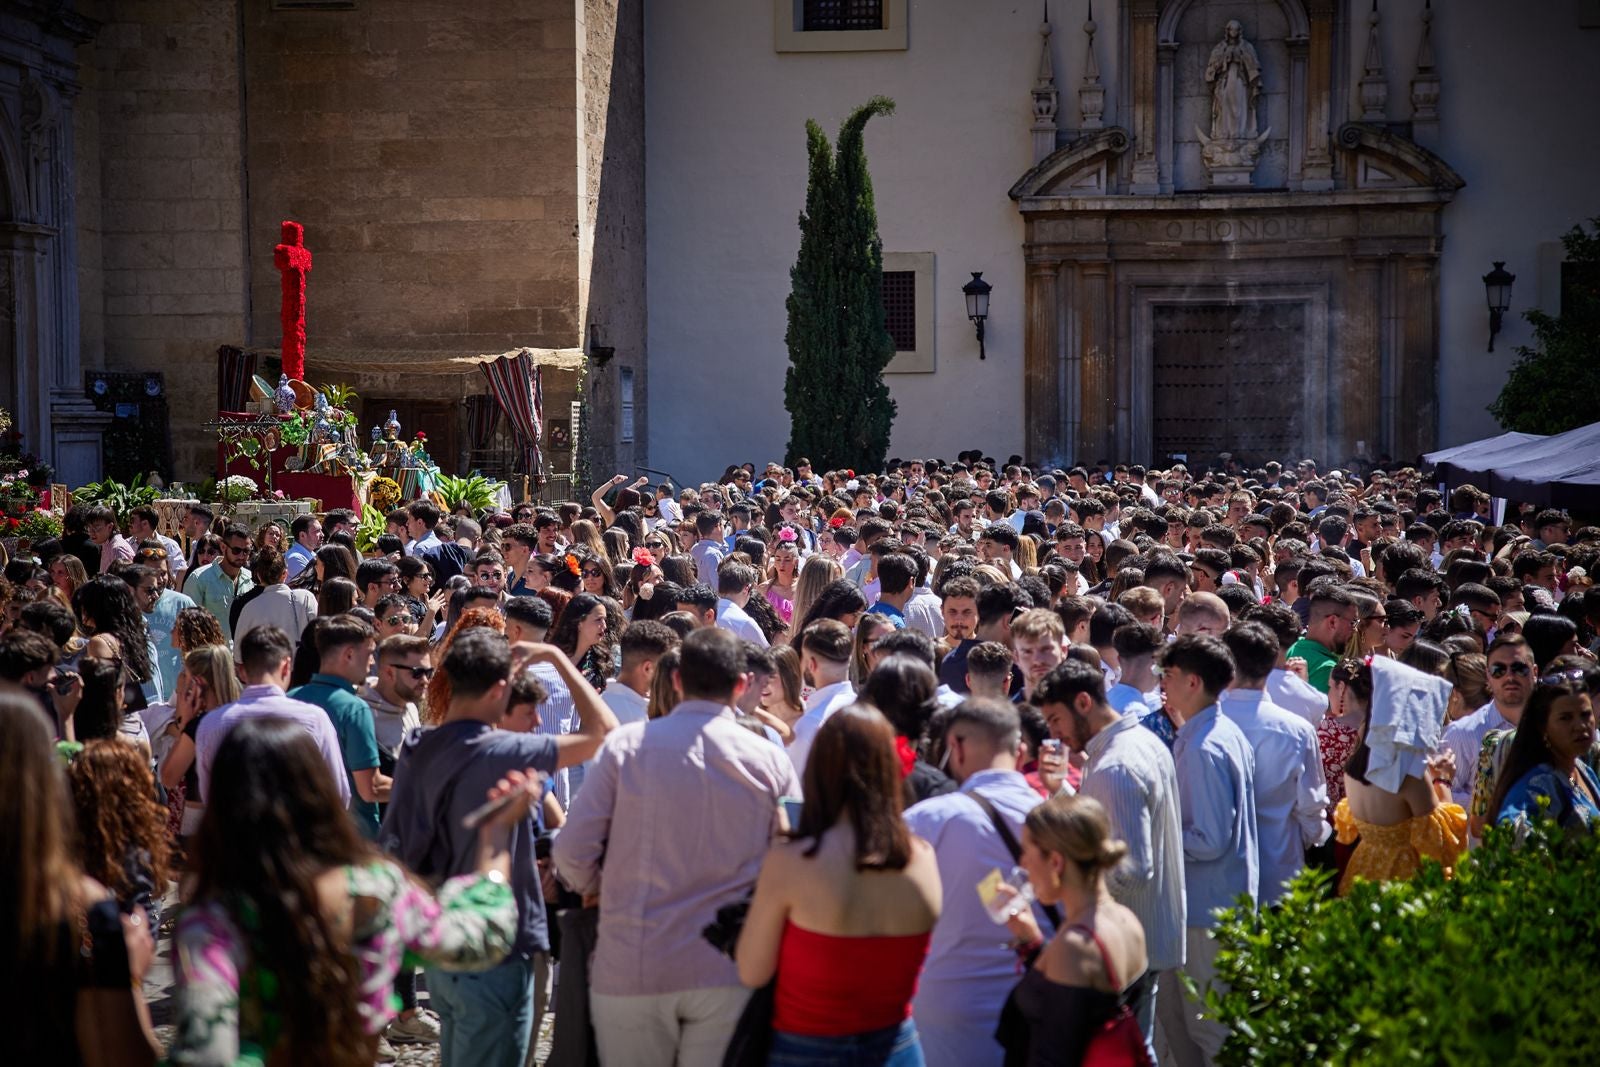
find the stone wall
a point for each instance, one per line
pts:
(428, 149)
(611, 248)
(161, 240)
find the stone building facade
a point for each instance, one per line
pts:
(463, 171)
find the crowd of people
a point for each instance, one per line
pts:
(952, 764)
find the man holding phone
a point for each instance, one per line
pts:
(442, 775)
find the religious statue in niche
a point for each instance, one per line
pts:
(1234, 75)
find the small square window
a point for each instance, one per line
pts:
(900, 308)
(841, 15)
(839, 25)
(908, 311)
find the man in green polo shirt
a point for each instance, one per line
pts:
(345, 644)
(216, 586)
(1331, 623)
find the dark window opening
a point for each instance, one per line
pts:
(842, 15)
(900, 308)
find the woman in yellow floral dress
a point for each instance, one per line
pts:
(1397, 793)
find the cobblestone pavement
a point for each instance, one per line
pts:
(158, 993)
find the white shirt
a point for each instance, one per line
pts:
(625, 704)
(1291, 794)
(1464, 738)
(1294, 694)
(819, 706)
(923, 613)
(732, 617)
(278, 605)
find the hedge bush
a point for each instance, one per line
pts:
(1497, 967)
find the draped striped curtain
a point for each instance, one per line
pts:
(517, 386)
(482, 417)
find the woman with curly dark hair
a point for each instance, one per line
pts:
(585, 634)
(111, 617)
(291, 946)
(122, 828)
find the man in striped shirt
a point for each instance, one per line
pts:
(1132, 775)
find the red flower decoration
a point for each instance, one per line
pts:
(573, 565)
(643, 558)
(421, 436)
(836, 522)
(907, 754)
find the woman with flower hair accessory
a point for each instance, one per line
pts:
(782, 573)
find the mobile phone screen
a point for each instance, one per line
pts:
(791, 811)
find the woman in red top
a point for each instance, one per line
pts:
(842, 911)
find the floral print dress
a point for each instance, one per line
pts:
(224, 1002)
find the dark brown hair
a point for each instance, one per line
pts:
(854, 771)
(118, 816)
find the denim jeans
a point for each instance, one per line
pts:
(485, 1019)
(893, 1046)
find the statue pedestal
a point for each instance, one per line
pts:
(1230, 164)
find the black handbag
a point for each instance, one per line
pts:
(751, 1043)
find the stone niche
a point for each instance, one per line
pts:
(1295, 314)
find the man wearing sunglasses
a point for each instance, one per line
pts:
(216, 587)
(1511, 682)
(404, 668)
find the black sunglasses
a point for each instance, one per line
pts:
(1500, 670)
(418, 673)
(397, 620)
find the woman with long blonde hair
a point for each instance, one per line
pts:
(208, 681)
(67, 576)
(587, 534)
(818, 573)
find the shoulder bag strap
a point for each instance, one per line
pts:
(1105, 957)
(1003, 828)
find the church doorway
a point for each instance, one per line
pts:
(1228, 378)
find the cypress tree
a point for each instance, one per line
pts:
(839, 407)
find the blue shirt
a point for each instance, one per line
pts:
(1216, 788)
(1570, 808)
(969, 970)
(890, 612)
(1126, 700)
(358, 739)
(169, 661)
(1157, 723)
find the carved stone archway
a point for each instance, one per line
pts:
(1362, 260)
(1287, 306)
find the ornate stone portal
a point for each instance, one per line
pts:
(1173, 310)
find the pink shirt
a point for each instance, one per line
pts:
(677, 814)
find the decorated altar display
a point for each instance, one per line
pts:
(299, 442)
(25, 496)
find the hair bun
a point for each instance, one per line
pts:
(1112, 852)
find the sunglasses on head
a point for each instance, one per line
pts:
(1574, 676)
(1500, 670)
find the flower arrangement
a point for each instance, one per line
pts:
(384, 494)
(36, 526)
(236, 488)
(574, 566)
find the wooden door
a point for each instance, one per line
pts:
(1228, 378)
(439, 419)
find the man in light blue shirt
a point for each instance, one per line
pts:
(1291, 794)
(970, 971)
(1131, 774)
(709, 550)
(307, 534)
(734, 582)
(1221, 852)
(216, 587)
(160, 606)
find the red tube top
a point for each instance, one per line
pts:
(835, 986)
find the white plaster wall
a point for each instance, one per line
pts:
(1517, 122)
(726, 178)
(725, 183)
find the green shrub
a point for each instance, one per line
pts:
(1494, 968)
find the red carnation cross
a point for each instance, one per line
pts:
(293, 260)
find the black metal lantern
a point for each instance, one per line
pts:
(977, 293)
(1497, 287)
